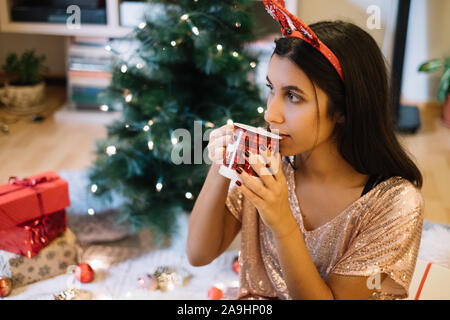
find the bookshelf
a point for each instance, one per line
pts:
(111, 29)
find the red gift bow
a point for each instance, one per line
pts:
(27, 182)
(292, 26)
(38, 225)
(36, 232)
(31, 183)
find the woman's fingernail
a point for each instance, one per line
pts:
(239, 170)
(238, 183)
(247, 154)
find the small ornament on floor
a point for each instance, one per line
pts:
(84, 273)
(165, 278)
(215, 293)
(148, 282)
(73, 294)
(236, 265)
(5, 286)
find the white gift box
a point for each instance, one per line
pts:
(430, 282)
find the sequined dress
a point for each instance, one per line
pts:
(380, 232)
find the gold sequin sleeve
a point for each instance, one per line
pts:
(387, 242)
(234, 201)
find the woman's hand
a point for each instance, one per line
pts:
(218, 141)
(269, 193)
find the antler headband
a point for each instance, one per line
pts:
(294, 27)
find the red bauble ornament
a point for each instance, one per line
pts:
(5, 286)
(215, 293)
(236, 265)
(84, 273)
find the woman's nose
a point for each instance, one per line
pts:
(274, 113)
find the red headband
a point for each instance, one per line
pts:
(294, 27)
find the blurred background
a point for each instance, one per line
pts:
(94, 89)
(60, 134)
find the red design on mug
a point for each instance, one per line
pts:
(247, 138)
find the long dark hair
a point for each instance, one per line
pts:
(365, 138)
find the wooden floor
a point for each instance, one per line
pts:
(65, 141)
(430, 149)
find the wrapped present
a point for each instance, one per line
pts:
(53, 260)
(22, 200)
(30, 237)
(430, 282)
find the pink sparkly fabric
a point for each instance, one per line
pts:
(378, 233)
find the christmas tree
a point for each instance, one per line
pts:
(191, 70)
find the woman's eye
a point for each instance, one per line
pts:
(293, 97)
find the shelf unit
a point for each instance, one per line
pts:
(112, 29)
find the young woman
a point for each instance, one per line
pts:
(340, 217)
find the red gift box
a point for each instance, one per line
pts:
(29, 238)
(22, 200)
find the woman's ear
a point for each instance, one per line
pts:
(340, 118)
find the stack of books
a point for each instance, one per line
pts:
(89, 73)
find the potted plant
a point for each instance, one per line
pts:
(444, 85)
(25, 86)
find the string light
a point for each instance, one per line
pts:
(219, 47)
(235, 54)
(188, 195)
(253, 64)
(146, 128)
(108, 48)
(185, 17)
(260, 109)
(237, 24)
(173, 43)
(159, 186)
(123, 68)
(174, 141)
(128, 97)
(104, 107)
(111, 150)
(210, 124)
(127, 126)
(150, 145)
(150, 122)
(94, 188)
(229, 121)
(91, 211)
(139, 66)
(142, 25)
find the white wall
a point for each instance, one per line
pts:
(428, 38)
(354, 11)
